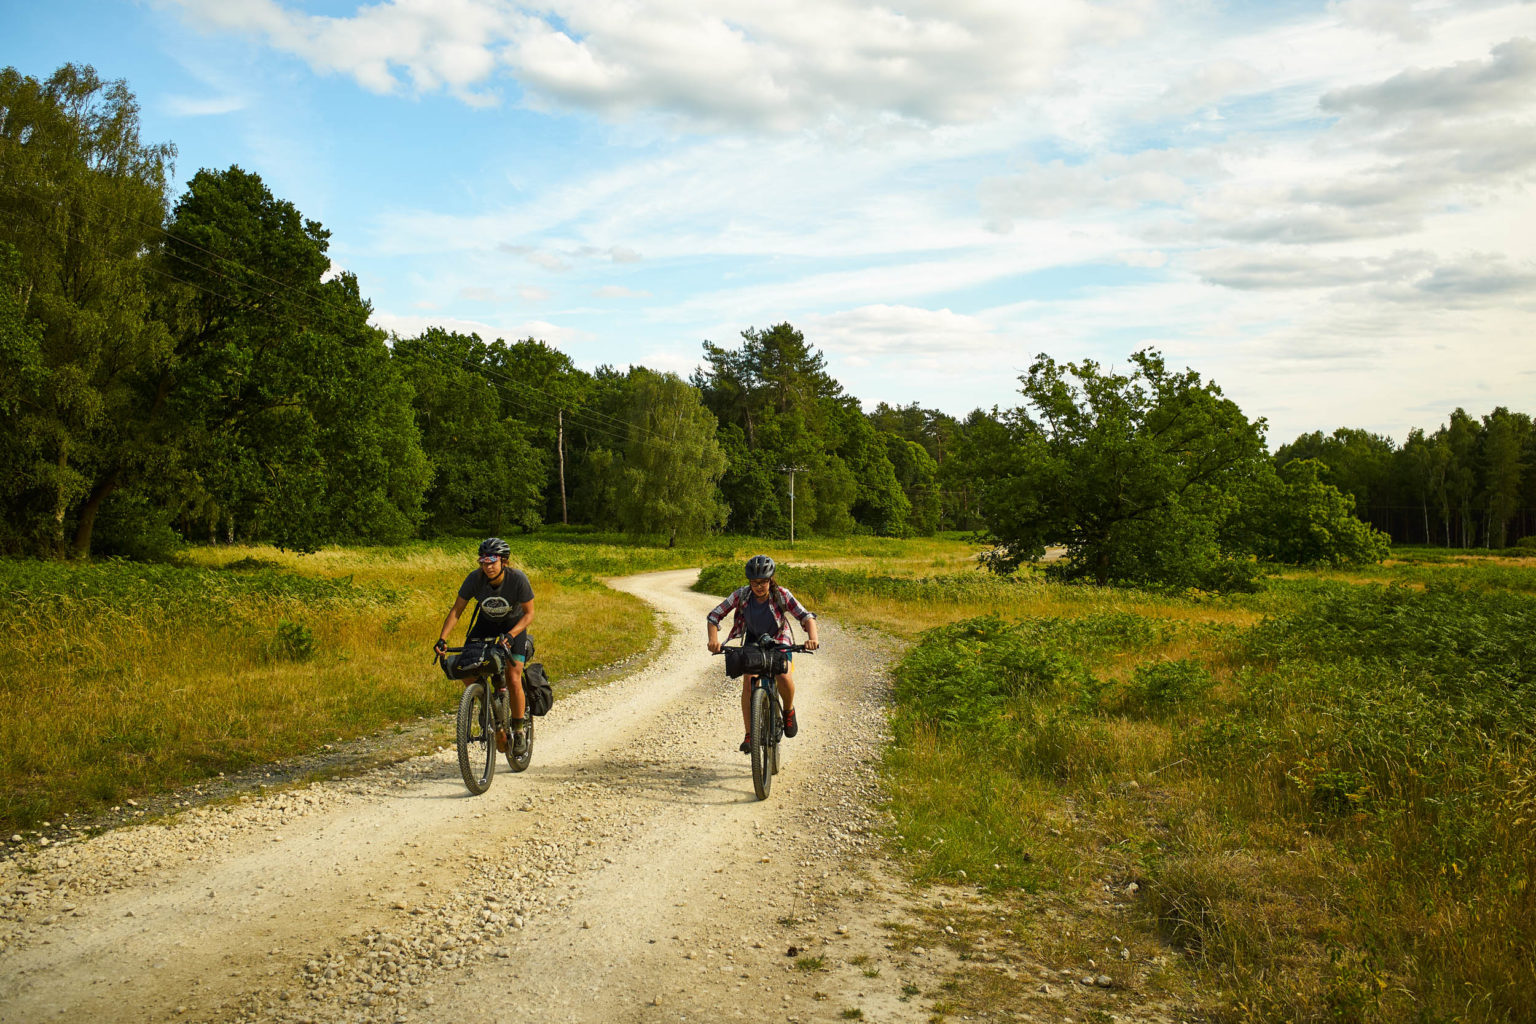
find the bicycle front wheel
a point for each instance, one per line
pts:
(762, 743)
(476, 731)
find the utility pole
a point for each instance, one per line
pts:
(791, 470)
(560, 448)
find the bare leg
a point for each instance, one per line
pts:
(519, 704)
(786, 683)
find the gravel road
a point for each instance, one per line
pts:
(629, 875)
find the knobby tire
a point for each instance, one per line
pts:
(762, 742)
(476, 733)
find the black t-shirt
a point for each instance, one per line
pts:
(760, 618)
(500, 606)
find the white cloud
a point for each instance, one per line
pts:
(739, 62)
(410, 325)
(1333, 200)
(1393, 17)
(1107, 185)
(204, 106)
(1210, 84)
(926, 337)
(1507, 78)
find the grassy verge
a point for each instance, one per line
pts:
(1314, 803)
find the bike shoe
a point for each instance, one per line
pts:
(790, 725)
(746, 745)
(501, 740)
(519, 742)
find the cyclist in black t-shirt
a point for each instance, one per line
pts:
(503, 609)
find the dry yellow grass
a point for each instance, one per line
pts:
(99, 703)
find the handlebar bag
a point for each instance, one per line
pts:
(476, 659)
(747, 661)
(536, 689)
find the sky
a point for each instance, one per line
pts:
(1327, 208)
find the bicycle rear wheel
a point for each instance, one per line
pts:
(476, 734)
(762, 743)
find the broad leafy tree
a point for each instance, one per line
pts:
(296, 423)
(82, 203)
(1134, 473)
(486, 475)
(672, 462)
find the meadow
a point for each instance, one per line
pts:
(1315, 802)
(1321, 797)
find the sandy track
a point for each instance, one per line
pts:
(629, 874)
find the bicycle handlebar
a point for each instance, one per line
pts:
(437, 655)
(791, 648)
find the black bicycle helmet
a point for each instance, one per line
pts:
(494, 546)
(759, 567)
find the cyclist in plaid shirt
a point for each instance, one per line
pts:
(762, 606)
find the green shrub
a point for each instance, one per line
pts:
(293, 641)
(1159, 688)
(968, 673)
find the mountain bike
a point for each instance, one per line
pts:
(762, 659)
(482, 729)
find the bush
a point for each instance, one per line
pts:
(131, 526)
(1159, 688)
(1294, 518)
(294, 641)
(968, 673)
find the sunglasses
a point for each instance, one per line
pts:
(489, 561)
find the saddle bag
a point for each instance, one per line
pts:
(537, 692)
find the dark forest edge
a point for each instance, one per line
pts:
(194, 370)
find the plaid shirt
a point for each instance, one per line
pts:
(781, 601)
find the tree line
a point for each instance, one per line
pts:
(193, 368)
(1471, 483)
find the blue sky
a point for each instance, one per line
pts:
(1328, 208)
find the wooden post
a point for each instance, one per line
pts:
(791, 470)
(560, 448)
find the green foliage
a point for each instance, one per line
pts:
(293, 641)
(81, 202)
(1294, 518)
(778, 407)
(487, 476)
(133, 525)
(723, 577)
(292, 416)
(970, 673)
(671, 463)
(1161, 688)
(1133, 473)
(69, 595)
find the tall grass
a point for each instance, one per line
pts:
(1326, 792)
